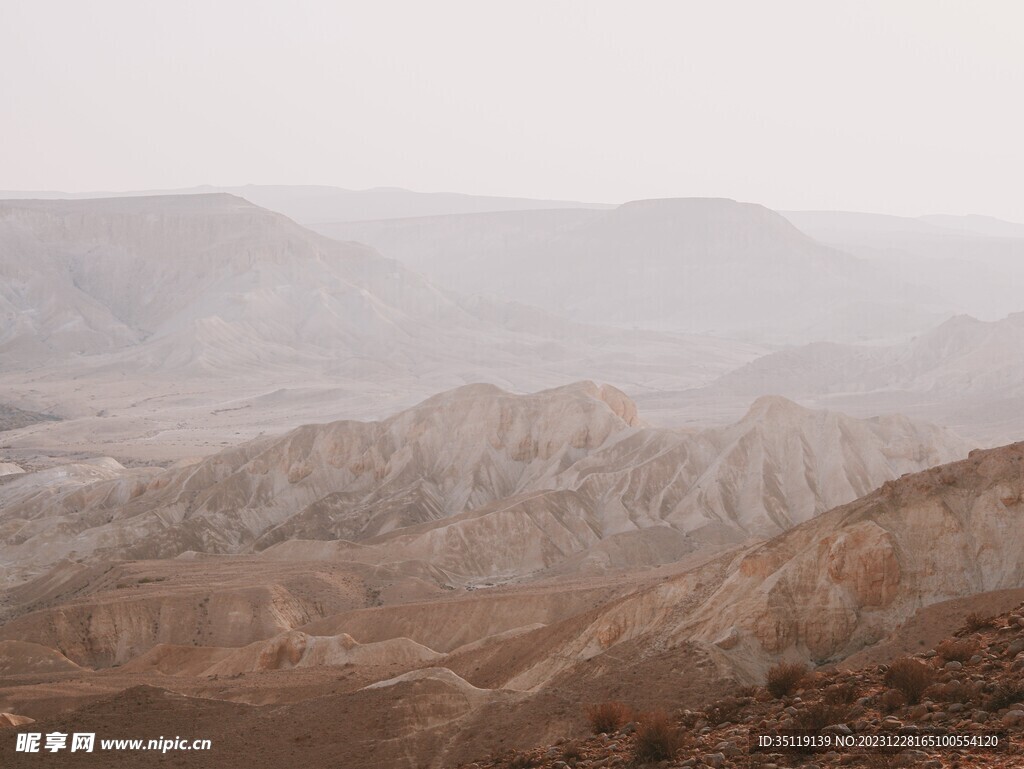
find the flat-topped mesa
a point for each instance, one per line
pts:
(713, 266)
(707, 218)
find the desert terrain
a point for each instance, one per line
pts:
(349, 494)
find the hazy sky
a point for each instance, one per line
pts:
(900, 107)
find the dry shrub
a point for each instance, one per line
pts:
(1005, 694)
(959, 651)
(608, 717)
(750, 691)
(785, 678)
(841, 694)
(658, 738)
(816, 680)
(572, 751)
(954, 691)
(725, 709)
(818, 715)
(891, 700)
(911, 677)
(976, 622)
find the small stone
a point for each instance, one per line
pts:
(728, 748)
(1013, 718)
(914, 755)
(954, 665)
(837, 729)
(729, 639)
(714, 759)
(917, 712)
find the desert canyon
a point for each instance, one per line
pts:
(425, 476)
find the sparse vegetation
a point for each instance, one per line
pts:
(725, 709)
(658, 738)
(1005, 694)
(953, 691)
(785, 678)
(841, 694)
(911, 677)
(960, 651)
(818, 715)
(608, 717)
(572, 751)
(975, 622)
(891, 700)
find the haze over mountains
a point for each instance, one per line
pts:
(966, 374)
(246, 304)
(973, 264)
(312, 204)
(286, 474)
(696, 265)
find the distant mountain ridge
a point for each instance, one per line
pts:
(311, 204)
(210, 283)
(688, 264)
(963, 356)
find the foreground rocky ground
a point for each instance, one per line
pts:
(969, 684)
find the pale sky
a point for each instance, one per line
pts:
(895, 107)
